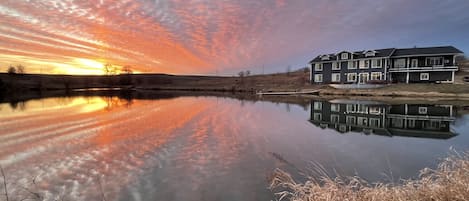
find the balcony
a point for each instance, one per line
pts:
(423, 68)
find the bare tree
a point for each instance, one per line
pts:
(248, 72)
(11, 70)
(127, 69)
(241, 74)
(20, 69)
(109, 69)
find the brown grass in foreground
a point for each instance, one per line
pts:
(450, 181)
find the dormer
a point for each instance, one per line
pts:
(344, 55)
(325, 57)
(370, 53)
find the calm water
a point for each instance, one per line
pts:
(209, 148)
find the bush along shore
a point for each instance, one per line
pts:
(449, 181)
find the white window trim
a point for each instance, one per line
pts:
(424, 78)
(376, 73)
(317, 106)
(364, 62)
(375, 120)
(351, 120)
(317, 116)
(348, 78)
(336, 66)
(423, 110)
(344, 55)
(335, 117)
(412, 63)
(398, 66)
(333, 76)
(316, 76)
(318, 67)
(335, 107)
(442, 61)
(375, 61)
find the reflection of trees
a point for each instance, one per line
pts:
(125, 99)
(18, 105)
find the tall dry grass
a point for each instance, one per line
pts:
(448, 182)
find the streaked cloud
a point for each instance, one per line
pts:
(205, 36)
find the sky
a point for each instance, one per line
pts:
(215, 36)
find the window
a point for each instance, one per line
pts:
(423, 110)
(399, 63)
(364, 64)
(317, 116)
(424, 76)
(376, 63)
(351, 108)
(414, 63)
(318, 67)
(434, 61)
(335, 107)
(318, 78)
(351, 77)
(374, 122)
(325, 57)
(375, 110)
(335, 77)
(350, 120)
(335, 66)
(362, 121)
(334, 118)
(397, 123)
(362, 109)
(376, 76)
(344, 55)
(317, 106)
(352, 64)
(411, 123)
(370, 54)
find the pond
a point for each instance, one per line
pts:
(211, 147)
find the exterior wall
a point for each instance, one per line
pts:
(447, 60)
(327, 70)
(414, 77)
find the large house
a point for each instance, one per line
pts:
(410, 65)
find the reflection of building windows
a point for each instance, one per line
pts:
(351, 108)
(317, 106)
(334, 118)
(343, 128)
(424, 76)
(374, 122)
(432, 125)
(317, 116)
(362, 121)
(423, 110)
(335, 108)
(375, 110)
(363, 109)
(351, 120)
(397, 123)
(411, 123)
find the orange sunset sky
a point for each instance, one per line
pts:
(215, 36)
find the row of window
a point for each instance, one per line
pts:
(363, 77)
(351, 77)
(429, 61)
(351, 120)
(352, 108)
(361, 64)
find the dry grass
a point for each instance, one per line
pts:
(450, 181)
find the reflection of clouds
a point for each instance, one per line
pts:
(68, 153)
(177, 36)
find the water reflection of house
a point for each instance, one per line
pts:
(429, 121)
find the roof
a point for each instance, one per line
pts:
(427, 50)
(388, 52)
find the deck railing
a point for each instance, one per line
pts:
(423, 68)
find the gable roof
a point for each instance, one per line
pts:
(427, 50)
(357, 55)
